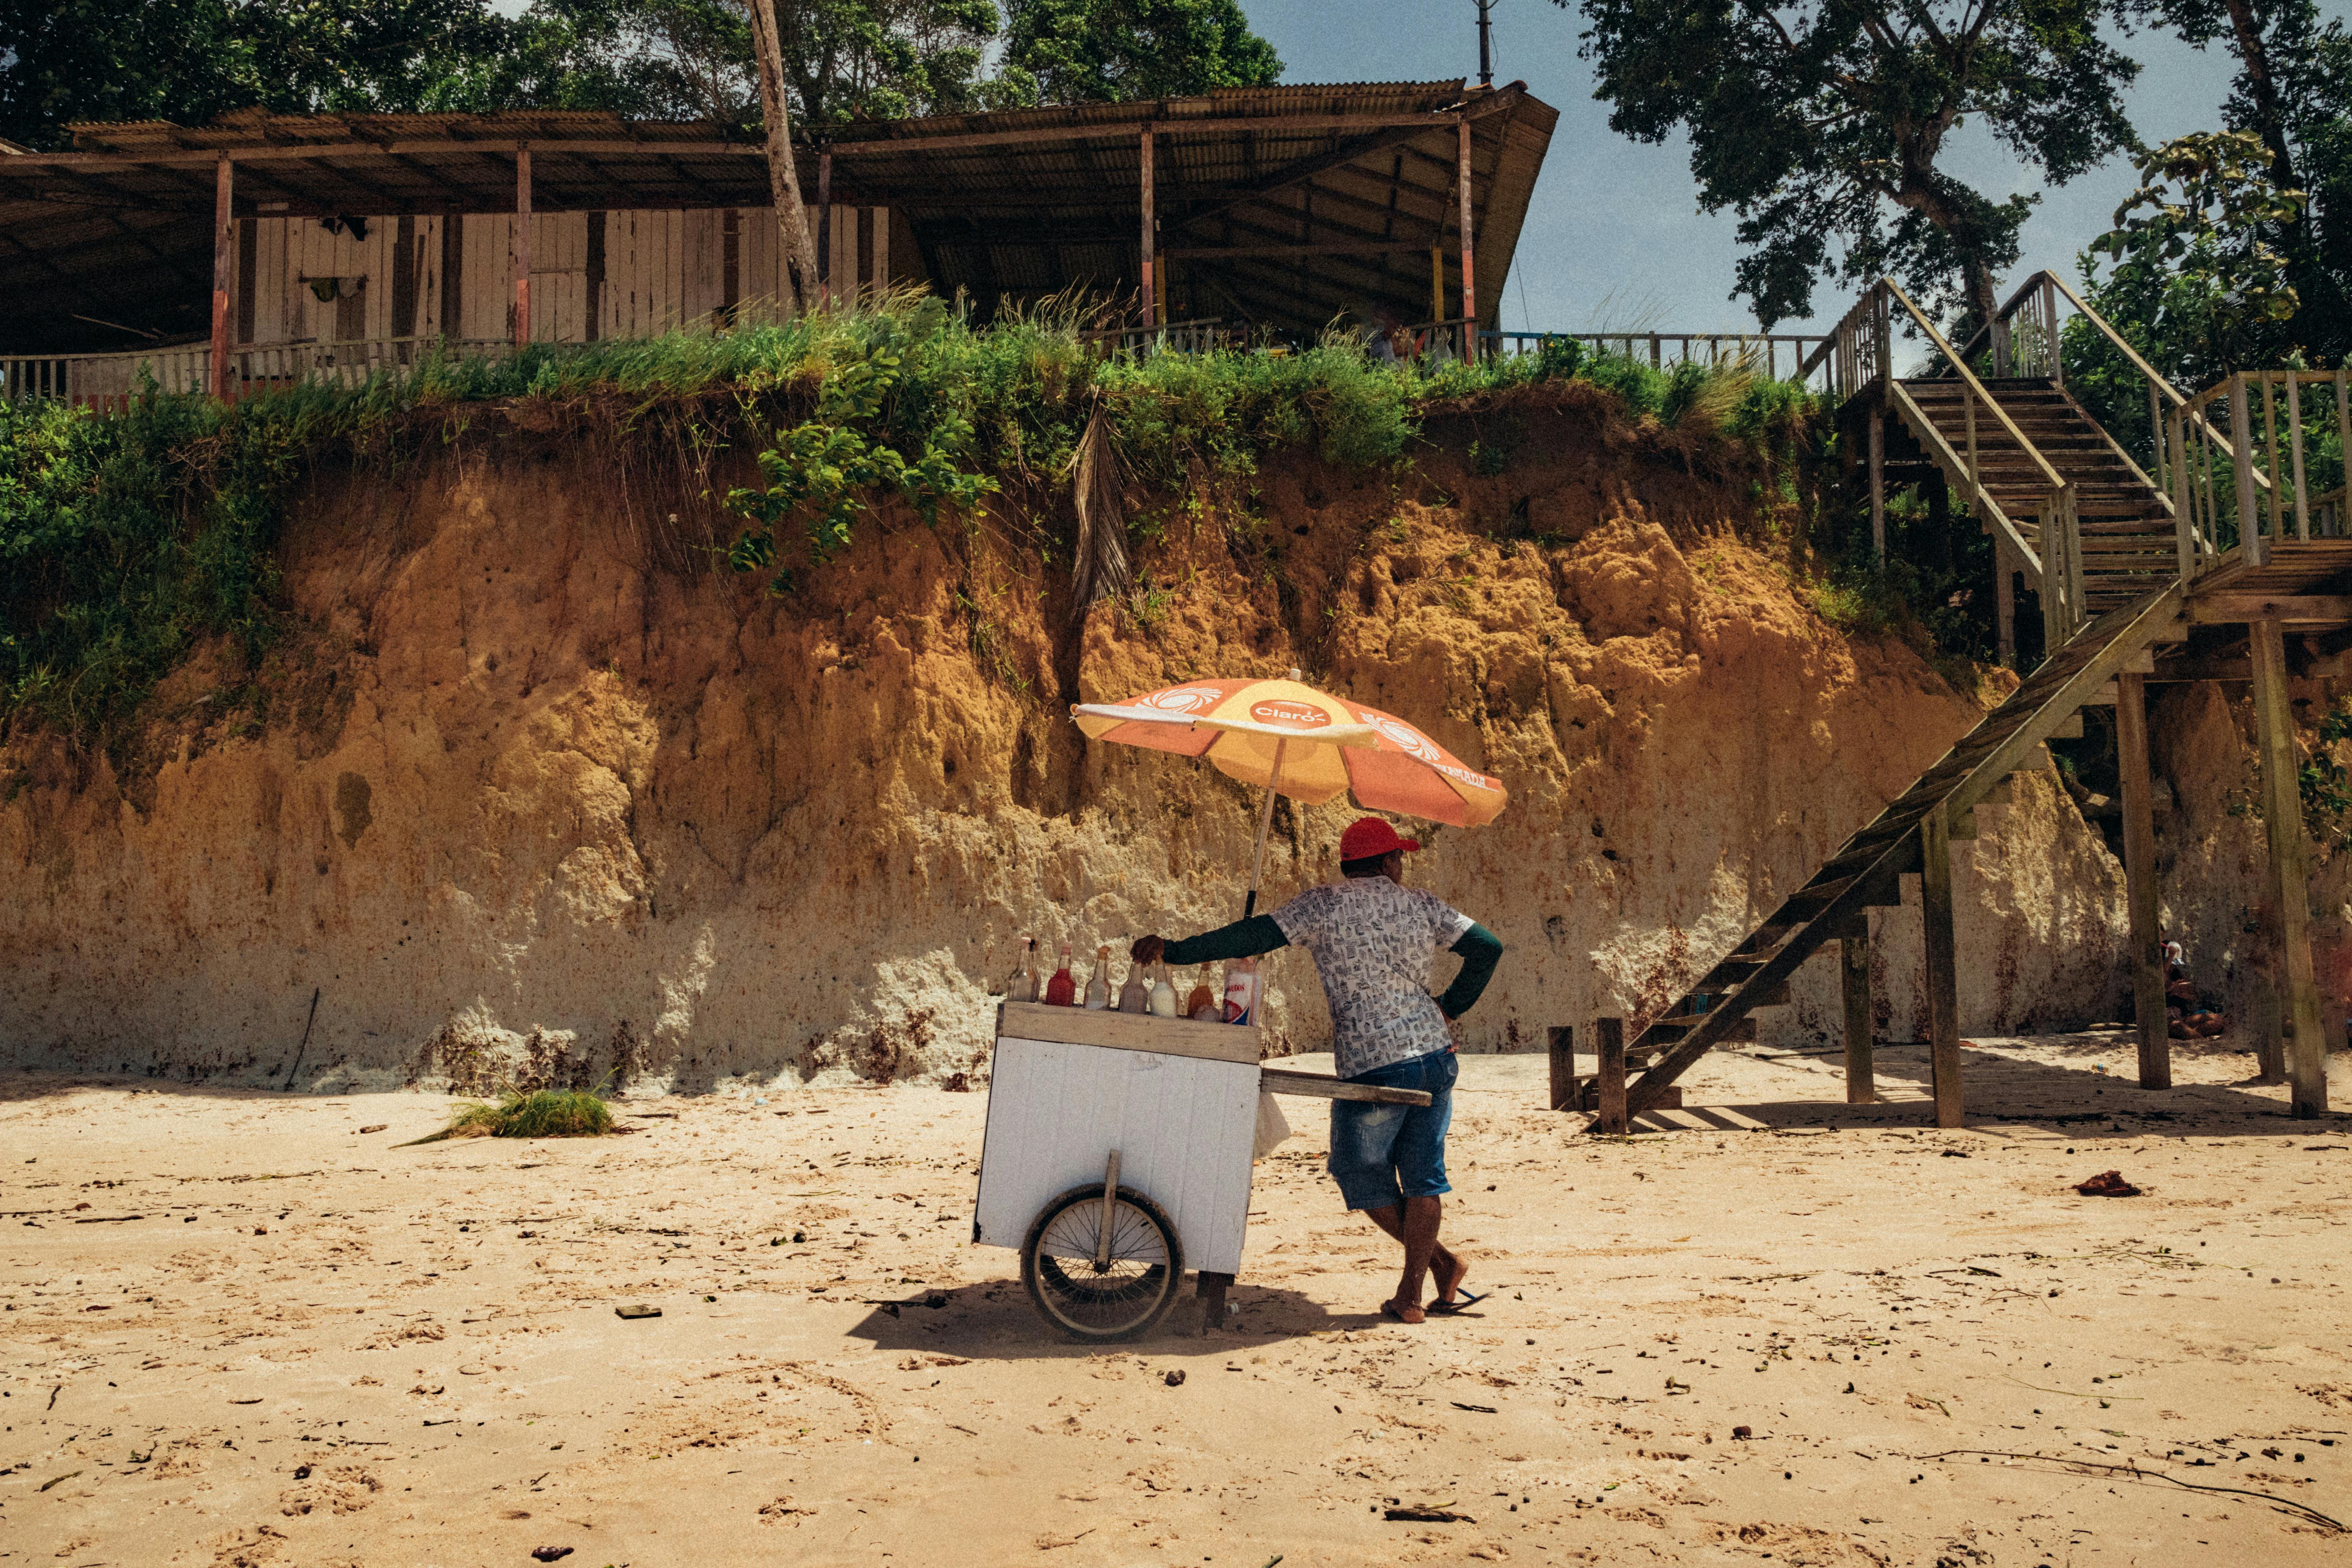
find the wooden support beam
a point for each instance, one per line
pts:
(2139, 882)
(1943, 972)
(2283, 822)
(825, 224)
(1853, 984)
(1562, 1040)
(2004, 602)
(522, 247)
(1469, 263)
(1144, 297)
(1878, 483)
(224, 276)
(2228, 609)
(1609, 1040)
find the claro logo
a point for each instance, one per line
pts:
(1289, 714)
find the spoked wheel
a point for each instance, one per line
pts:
(1128, 1293)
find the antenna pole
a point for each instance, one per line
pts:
(1485, 50)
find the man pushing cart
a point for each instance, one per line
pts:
(1119, 1145)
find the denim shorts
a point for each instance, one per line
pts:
(1382, 1154)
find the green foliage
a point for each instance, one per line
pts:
(2194, 253)
(2326, 788)
(543, 1114)
(1825, 128)
(127, 538)
(123, 539)
(1094, 51)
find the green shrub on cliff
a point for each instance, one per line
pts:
(125, 538)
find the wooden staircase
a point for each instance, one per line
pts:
(1866, 870)
(2125, 530)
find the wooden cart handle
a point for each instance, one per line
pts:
(1322, 1086)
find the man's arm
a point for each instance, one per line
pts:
(1243, 939)
(1480, 952)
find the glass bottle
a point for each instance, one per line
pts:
(1061, 991)
(1098, 983)
(1135, 996)
(1202, 1003)
(1022, 987)
(1163, 995)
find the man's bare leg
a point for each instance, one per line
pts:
(1416, 1225)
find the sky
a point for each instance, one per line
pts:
(1614, 238)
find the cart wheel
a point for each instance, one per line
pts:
(1121, 1298)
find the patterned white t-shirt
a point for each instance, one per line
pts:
(1373, 943)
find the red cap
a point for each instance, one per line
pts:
(1368, 838)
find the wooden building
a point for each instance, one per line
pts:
(1275, 209)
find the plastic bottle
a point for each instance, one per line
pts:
(1163, 995)
(1061, 991)
(1135, 996)
(1022, 987)
(1098, 983)
(1241, 991)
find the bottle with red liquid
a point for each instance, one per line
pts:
(1061, 991)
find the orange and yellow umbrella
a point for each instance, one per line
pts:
(1305, 743)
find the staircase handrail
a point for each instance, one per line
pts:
(2159, 386)
(1952, 462)
(1967, 378)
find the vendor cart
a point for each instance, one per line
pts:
(1118, 1154)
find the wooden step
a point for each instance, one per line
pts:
(1666, 1031)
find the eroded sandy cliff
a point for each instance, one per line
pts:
(515, 798)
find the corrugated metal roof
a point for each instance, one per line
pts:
(1332, 171)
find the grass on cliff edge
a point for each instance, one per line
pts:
(127, 538)
(543, 1113)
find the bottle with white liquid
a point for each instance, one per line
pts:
(1163, 995)
(1135, 996)
(1098, 983)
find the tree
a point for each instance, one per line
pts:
(783, 171)
(1824, 125)
(2293, 92)
(1107, 51)
(187, 60)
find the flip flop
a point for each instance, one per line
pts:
(1449, 1308)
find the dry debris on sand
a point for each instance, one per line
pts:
(1788, 1328)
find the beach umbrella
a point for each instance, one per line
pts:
(1307, 744)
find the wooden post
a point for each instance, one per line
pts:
(1436, 283)
(2004, 602)
(1853, 984)
(2242, 438)
(1609, 1041)
(2139, 882)
(1562, 1040)
(1878, 483)
(1469, 265)
(1212, 1288)
(224, 276)
(1943, 973)
(2283, 821)
(824, 224)
(2269, 1036)
(2294, 454)
(522, 246)
(1146, 298)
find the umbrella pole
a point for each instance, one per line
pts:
(1265, 821)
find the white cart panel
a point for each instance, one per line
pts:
(1183, 1127)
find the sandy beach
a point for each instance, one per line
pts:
(245, 1328)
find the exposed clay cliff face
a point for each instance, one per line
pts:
(518, 800)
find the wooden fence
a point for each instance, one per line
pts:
(1770, 353)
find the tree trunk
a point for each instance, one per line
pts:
(783, 175)
(2255, 60)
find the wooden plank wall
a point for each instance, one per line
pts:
(659, 271)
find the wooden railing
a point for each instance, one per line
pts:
(113, 380)
(2252, 492)
(1762, 352)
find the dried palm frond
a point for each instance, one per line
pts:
(1100, 567)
